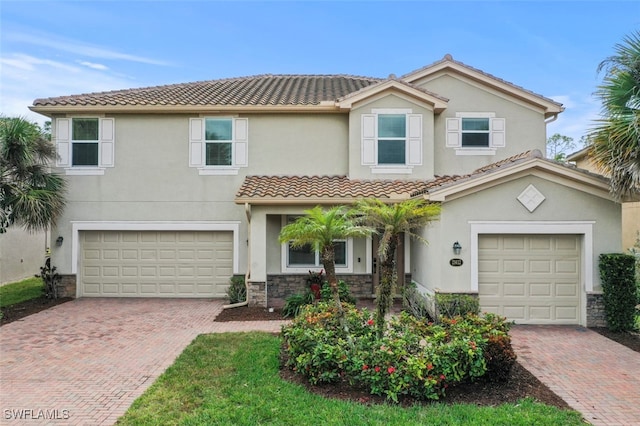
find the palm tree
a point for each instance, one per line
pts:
(30, 195)
(615, 138)
(319, 229)
(390, 221)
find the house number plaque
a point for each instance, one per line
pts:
(455, 262)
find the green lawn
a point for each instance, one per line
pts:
(13, 293)
(232, 378)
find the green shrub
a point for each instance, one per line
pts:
(450, 305)
(414, 357)
(343, 292)
(294, 303)
(237, 291)
(617, 274)
(416, 303)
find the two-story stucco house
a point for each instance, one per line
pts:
(173, 189)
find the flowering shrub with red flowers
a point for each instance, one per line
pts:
(413, 357)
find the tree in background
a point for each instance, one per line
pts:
(558, 145)
(615, 145)
(30, 195)
(391, 221)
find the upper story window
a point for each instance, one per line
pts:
(391, 140)
(475, 133)
(85, 145)
(84, 142)
(218, 145)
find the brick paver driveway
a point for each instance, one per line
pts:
(84, 362)
(594, 375)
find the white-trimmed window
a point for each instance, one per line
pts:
(85, 145)
(218, 145)
(302, 259)
(475, 133)
(391, 140)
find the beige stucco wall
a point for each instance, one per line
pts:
(21, 254)
(525, 127)
(430, 264)
(152, 180)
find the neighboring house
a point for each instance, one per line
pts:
(173, 189)
(21, 254)
(630, 210)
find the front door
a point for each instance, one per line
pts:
(399, 264)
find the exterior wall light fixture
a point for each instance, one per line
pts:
(457, 248)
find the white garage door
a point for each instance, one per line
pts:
(155, 264)
(531, 279)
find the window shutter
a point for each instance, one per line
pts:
(498, 139)
(368, 139)
(196, 142)
(107, 144)
(454, 137)
(241, 142)
(414, 139)
(63, 142)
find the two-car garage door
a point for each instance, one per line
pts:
(155, 263)
(532, 279)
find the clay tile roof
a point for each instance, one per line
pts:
(449, 58)
(327, 188)
(444, 181)
(257, 90)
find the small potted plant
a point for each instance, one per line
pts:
(315, 281)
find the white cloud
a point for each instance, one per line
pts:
(93, 65)
(78, 48)
(24, 78)
(578, 117)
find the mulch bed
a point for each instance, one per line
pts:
(26, 308)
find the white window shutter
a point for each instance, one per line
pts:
(498, 139)
(368, 139)
(414, 139)
(241, 142)
(63, 142)
(454, 135)
(107, 142)
(196, 142)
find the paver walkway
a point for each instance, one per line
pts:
(594, 375)
(84, 362)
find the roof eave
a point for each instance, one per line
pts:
(594, 184)
(550, 107)
(347, 102)
(49, 111)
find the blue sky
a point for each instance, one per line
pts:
(50, 48)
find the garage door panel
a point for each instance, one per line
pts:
(156, 264)
(541, 266)
(530, 278)
(539, 314)
(566, 290)
(514, 266)
(566, 312)
(513, 244)
(489, 266)
(568, 266)
(512, 312)
(540, 289)
(514, 289)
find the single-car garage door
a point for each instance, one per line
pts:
(531, 279)
(155, 263)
